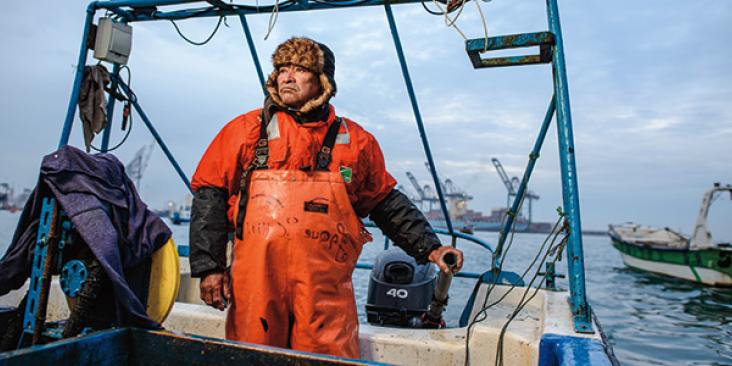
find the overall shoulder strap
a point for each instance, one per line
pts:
(324, 155)
(261, 150)
(261, 155)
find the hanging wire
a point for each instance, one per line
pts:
(485, 25)
(273, 19)
(533, 262)
(553, 250)
(129, 98)
(441, 12)
(274, 9)
(264, 8)
(424, 5)
(337, 3)
(452, 22)
(218, 24)
(445, 11)
(482, 314)
(493, 284)
(449, 22)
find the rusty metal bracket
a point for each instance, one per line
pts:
(475, 47)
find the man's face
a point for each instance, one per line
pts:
(297, 85)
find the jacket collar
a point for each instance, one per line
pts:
(321, 117)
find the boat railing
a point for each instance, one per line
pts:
(184, 250)
(456, 235)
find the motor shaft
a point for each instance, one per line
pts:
(433, 316)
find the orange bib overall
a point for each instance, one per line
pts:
(291, 272)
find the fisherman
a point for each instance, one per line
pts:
(291, 180)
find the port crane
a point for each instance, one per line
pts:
(456, 197)
(424, 194)
(452, 191)
(136, 167)
(511, 186)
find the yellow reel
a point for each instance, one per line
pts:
(163, 284)
(164, 281)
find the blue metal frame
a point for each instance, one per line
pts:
(253, 50)
(518, 199)
(561, 350)
(570, 194)
(110, 110)
(134, 346)
(469, 238)
(123, 8)
(184, 250)
(72, 278)
(153, 131)
(544, 40)
(45, 226)
(560, 106)
(76, 89)
(64, 239)
(417, 115)
(463, 274)
(132, 10)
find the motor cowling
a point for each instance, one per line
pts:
(400, 290)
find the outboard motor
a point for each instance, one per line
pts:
(400, 290)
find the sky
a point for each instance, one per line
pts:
(649, 81)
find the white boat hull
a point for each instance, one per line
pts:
(703, 275)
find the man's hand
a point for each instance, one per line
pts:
(215, 290)
(437, 257)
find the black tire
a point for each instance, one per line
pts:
(11, 335)
(94, 305)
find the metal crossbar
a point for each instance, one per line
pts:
(144, 10)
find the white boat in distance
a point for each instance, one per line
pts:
(664, 251)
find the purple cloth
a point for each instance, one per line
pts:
(106, 211)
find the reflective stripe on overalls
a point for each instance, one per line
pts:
(293, 259)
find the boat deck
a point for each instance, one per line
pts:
(547, 314)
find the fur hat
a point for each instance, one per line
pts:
(311, 55)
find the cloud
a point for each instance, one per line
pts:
(654, 125)
(649, 96)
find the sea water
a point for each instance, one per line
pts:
(649, 319)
